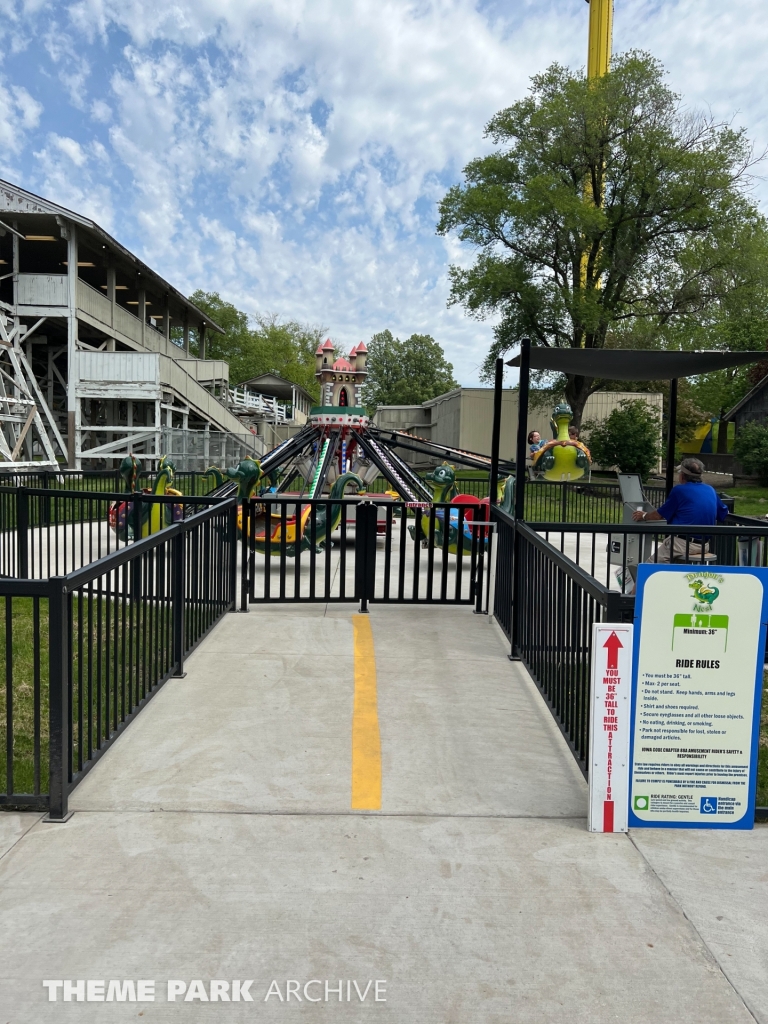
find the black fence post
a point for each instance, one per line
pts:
(22, 533)
(672, 425)
(619, 607)
(232, 538)
(137, 516)
(59, 715)
(480, 580)
(516, 548)
(45, 510)
(244, 560)
(136, 563)
(177, 601)
(366, 516)
(496, 431)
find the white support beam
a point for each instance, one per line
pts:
(112, 447)
(69, 232)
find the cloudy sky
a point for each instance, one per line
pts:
(290, 153)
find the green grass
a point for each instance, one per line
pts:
(750, 501)
(117, 682)
(22, 693)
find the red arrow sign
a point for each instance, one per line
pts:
(614, 645)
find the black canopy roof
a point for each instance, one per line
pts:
(634, 364)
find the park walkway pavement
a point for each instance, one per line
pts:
(216, 840)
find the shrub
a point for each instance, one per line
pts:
(751, 449)
(627, 439)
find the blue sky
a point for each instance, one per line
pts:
(290, 153)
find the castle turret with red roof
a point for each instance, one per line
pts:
(341, 377)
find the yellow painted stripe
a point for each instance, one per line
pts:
(366, 741)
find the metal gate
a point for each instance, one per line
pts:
(372, 550)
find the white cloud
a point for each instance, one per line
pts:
(101, 111)
(290, 153)
(75, 178)
(70, 148)
(27, 108)
(19, 114)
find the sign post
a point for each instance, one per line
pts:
(609, 726)
(697, 685)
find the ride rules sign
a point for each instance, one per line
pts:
(696, 689)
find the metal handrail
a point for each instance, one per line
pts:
(593, 587)
(656, 527)
(115, 559)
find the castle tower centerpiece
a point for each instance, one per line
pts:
(341, 382)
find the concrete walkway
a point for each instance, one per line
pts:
(216, 841)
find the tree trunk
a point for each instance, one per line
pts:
(577, 391)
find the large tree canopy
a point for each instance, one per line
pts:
(609, 215)
(260, 344)
(405, 372)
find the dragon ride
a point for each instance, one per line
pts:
(566, 458)
(153, 515)
(462, 520)
(267, 531)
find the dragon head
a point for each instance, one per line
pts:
(248, 474)
(443, 475)
(166, 472)
(703, 591)
(129, 470)
(216, 474)
(562, 411)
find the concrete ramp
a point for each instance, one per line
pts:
(217, 841)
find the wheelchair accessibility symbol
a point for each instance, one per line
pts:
(708, 805)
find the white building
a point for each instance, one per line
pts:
(96, 324)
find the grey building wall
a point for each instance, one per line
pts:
(754, 409)
(463, 418)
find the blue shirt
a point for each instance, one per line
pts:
(693, 504)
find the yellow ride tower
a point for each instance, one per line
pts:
(600, 37)
(598, 62)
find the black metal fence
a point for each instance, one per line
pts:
(545, 501)
(611, 553)
(191, 482)
(554, 580)
(379, 551)
(546, 605)
(46, 533)
(84, 652)
(579, 503)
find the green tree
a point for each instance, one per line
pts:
(627, 439)
(287, 348)
(609, 216)
(405, 372)
(751, 449)
(260, 344)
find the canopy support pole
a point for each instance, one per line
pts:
(522, 427)
(672, 425)
(496, 435)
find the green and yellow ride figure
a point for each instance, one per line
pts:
(566, 458)
(266, 533)
(154, 516)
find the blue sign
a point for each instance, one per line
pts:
(696, 691)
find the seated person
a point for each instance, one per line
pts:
(573, 433)
(534, 441)
(690, 503)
